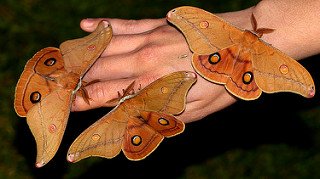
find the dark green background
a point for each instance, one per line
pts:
(276, 136)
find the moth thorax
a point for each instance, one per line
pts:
(249, 37)
(69, 81)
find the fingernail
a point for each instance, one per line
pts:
(105, 23)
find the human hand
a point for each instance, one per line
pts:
(143, 51)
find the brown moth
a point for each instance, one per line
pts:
(47, 86)
(239, 59)
(139, 123)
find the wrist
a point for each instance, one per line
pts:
(294, 23)
(295, 29)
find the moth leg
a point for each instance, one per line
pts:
(125, 92)
(84, 83)
(83, 92)
(84, 95)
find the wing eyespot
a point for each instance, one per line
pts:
(95, 137)
(91, 47)
(214, 58)
(50, 62)
(136, 140)
(35, 97)
(247, 77)
(52, 128)
(283, 69)
(163, 121)
(204, 24)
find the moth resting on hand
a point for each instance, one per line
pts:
(139, 123)
(239, 59)
(48, 84)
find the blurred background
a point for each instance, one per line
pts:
(276, 136)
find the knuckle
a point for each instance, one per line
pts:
(148, 53)
(97, 91)
(158, 33)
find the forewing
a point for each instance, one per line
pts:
(204, 31)
(104, 138)
(80, 54)
(166, 94)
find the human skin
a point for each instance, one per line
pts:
(145, 50)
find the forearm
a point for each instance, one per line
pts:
(296, 24)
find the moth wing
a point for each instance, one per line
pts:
(144, 134)
(276, 72)
(166, 94)
(166, 124)
(104, 138)
(31, 79)
(80, 54)
(47, 121)
(140, 139)
(204, 31)
(228, 67)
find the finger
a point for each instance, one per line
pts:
(136, 63)
(121, 44)
(102, 92)
(113, 67)
(122, 26)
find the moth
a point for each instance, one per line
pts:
(48, 85)
(239, 59)
(139, 122)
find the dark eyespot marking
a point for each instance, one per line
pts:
(136, 140)
(247, 77)
(214, 58)
(163, 121)
(50, 61)
(35, 97)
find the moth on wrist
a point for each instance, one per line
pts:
(239, 59)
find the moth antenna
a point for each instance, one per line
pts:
(254, 23)
(262, 31)
(128, 91)
(259, 31)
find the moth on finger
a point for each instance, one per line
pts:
(48, 84)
